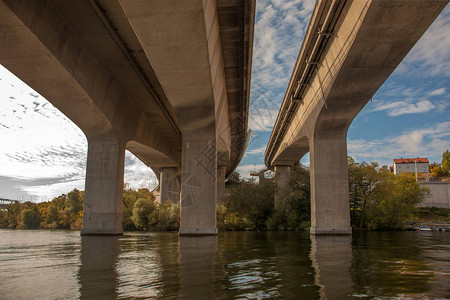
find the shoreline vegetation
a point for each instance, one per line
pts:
(379, 200)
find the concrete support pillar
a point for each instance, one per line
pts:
(220, 184)
(198, 185)
(330, 211)
(169, 186)
(282, 181)
(103, 198)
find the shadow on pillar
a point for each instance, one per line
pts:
(331, 258)
(97, 277)
(197, 261)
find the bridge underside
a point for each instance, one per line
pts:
(350, 49)
(166, 79)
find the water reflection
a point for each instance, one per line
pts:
(197, 261)
(234, 265)
(331, 258)
(98, 275)
(401, 264)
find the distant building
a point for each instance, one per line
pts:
(260, 174)
(419, 165)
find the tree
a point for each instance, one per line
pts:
(393, 200)
(363, 177)
(52, 214)
(142, 210)
(247, 206)
(438, 171)
(31, 218)
(74, 201)
(233, 180)
(295, 211)
(446, 161)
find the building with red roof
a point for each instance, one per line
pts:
(413, 165)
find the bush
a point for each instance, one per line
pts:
(142, 210)
(31, 218)
(166, 217)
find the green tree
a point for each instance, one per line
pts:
(233, 180)
(165, 217)
(52, 214)
(74, 201)
(446, 161)
(363, 177)
(142, 210)
(393, 201)
(31, 217)
(250, 203)
(294, 213)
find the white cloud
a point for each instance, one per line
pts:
(410, 142)
(438, 92)
(425, 142)
(245, 170)
(431, 53)
(405, 107)
(260, 150)
(262, 120)
(43, 149)
(137, 174)
(279, 29)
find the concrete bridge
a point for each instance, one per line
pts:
(166, 79)
(349, 50)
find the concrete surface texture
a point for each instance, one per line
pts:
(166, 79)
(439, 194)
(281, 180)
(349, 50)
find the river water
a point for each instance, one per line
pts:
(47, 264)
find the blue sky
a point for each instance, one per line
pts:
(409, 115)
(43, 154)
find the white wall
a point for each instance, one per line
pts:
(440, 194)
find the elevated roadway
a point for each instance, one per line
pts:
(166, 79)
(349, 50)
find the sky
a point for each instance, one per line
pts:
(43, 154)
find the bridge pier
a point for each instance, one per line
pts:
(282, 180)
(329, 186)
(103, 200)
(198, 185)
(169, 185)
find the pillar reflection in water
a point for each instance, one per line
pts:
(197, 261)
(331, 258)
(97, 276)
